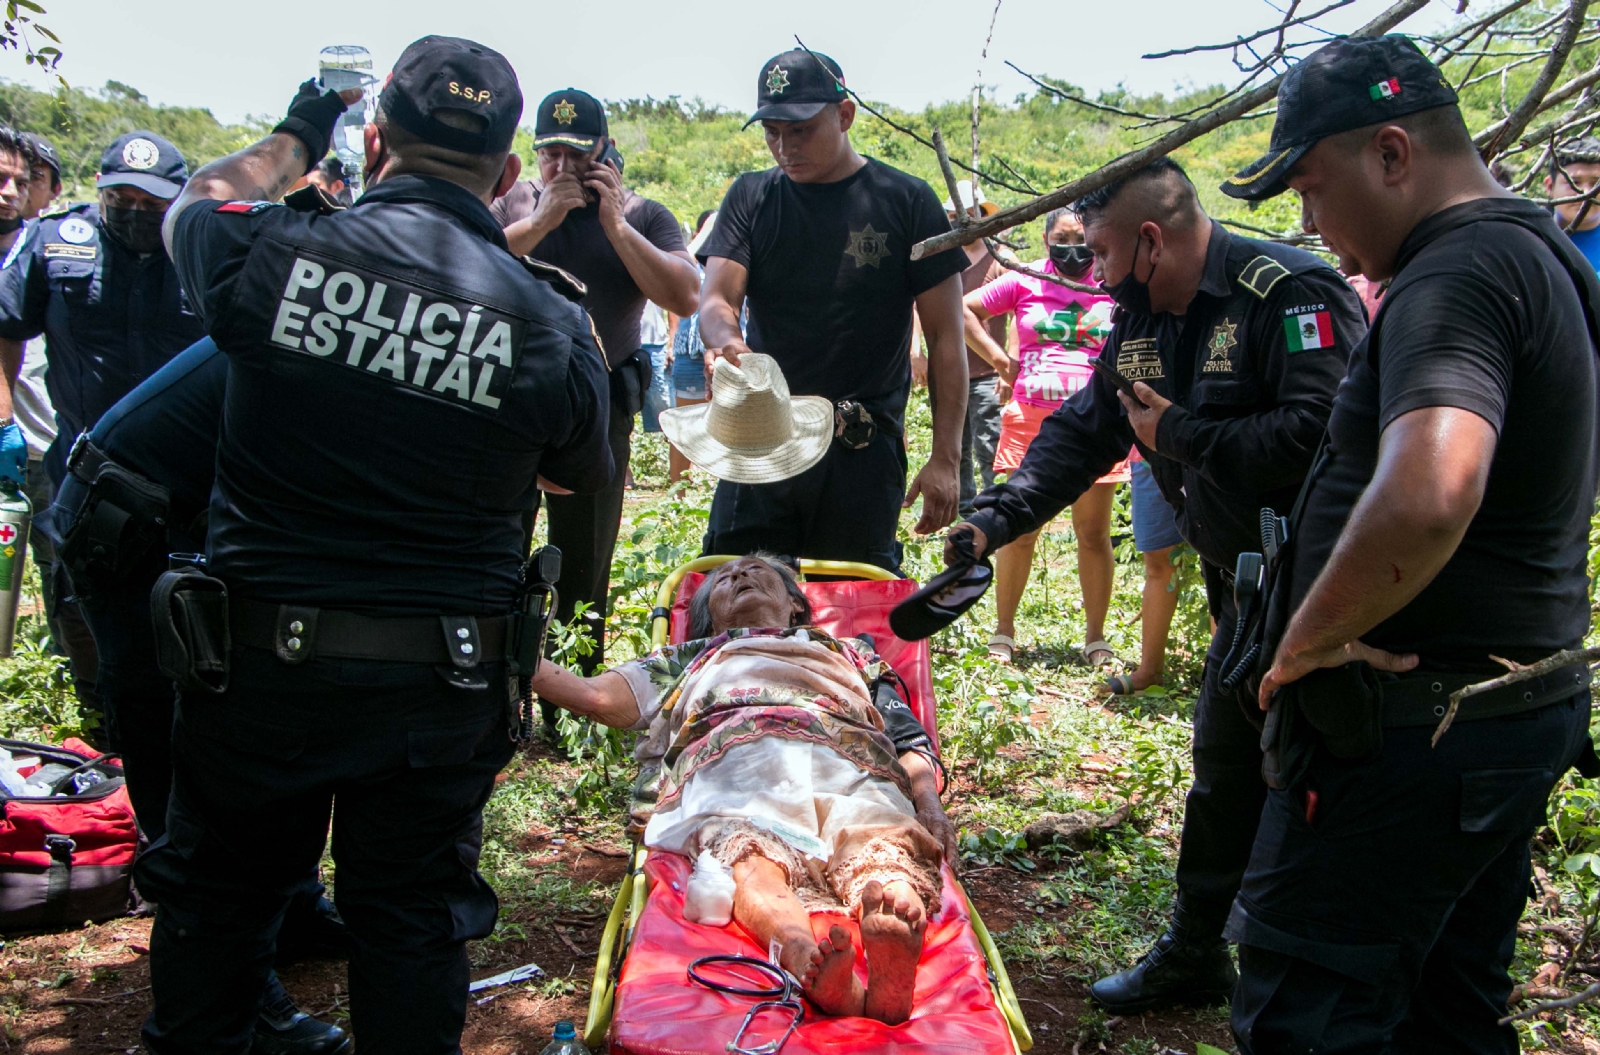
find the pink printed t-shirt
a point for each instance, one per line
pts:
(1059, 330)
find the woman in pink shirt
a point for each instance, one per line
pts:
(1059, 331)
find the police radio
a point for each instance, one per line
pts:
(536, 603)
(16, 514)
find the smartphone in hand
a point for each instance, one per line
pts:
(1109, 372)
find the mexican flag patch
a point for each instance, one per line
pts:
(1308, 330)
(1385, 89)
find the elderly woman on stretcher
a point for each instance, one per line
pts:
(793, 758)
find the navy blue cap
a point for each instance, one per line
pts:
(1351, 83)
(570, 118)
(452, 73)
(46, 151)
(795, 86)
(144, 160)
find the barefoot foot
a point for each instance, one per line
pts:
(829, 979)
(892, 926)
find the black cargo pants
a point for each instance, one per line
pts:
(403, 763)
(1383, 917)
(1224, 803)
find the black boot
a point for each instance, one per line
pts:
(283, 1029)
(1189, 964)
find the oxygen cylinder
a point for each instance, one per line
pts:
(16, 513)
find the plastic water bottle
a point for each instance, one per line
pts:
(566, 1041)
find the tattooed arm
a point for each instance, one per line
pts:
(262, 171)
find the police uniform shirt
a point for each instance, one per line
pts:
(1484, 317)
(1250, 368)
(397, 380)
(111, 317)
(832, 282)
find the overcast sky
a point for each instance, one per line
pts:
(242, 59)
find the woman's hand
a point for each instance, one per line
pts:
(931, 815)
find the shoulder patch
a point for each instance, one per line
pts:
(66, 250)
(245, 208)
(1261, 274)
(312, 198)
(566, 283)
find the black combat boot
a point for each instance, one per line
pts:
(283, 1029)
(1189, 964)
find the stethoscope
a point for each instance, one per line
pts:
(782, 995)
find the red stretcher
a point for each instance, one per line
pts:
(643, 1002)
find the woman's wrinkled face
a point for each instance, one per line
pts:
(749, 593)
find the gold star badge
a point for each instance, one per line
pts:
(867, 246)
(777, 80)
(564, 112)
(1223, 339)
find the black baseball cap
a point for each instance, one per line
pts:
(144, 160)
(570, 118)
(795, 86)
(1351, 83)
(451, 73)
(46, 151)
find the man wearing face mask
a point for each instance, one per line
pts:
(94, 280)
(1234, 347)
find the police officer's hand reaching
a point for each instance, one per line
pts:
(312, 115)
(953, 552)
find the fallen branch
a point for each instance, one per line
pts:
(1130, 163)
(566, 941)
(93, 1001)
(1555, 1005)
(1492, 139)
(1518, 673)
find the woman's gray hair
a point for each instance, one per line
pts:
(700, 603)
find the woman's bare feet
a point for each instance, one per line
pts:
(829, 977)
(892, 926)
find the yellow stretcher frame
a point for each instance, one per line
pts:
(625, 911)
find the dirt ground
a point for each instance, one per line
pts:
(87, 991)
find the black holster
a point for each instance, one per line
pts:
(536, 603)
(1340, 707)
(120, 529)
(190, 612)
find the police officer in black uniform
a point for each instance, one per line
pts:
(136, 489)
(94, 280)
(1447, 525)
(1233, 347)
(398, 384)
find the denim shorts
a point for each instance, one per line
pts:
(689, 376)
(1155, 524)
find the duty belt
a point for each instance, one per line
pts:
(85, 459)
(296, 633)
(1423, 700)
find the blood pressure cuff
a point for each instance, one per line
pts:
(190, 611)
(899, 723)
(120, 529)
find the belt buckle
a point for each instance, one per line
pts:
(75, 454)
(294, 638)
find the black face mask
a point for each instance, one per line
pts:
(137, 230)
(1131, 294)
(1071, 260)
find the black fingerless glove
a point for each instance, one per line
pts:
(312, 115)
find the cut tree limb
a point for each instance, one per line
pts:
(1521, 673)
(1130, 163)
(1491, 140)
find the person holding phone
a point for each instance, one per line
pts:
(1059, 334)
(626, 250)
(1234, 347)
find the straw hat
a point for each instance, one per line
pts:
(752, 431)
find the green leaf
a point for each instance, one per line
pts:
(1207, 1049)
